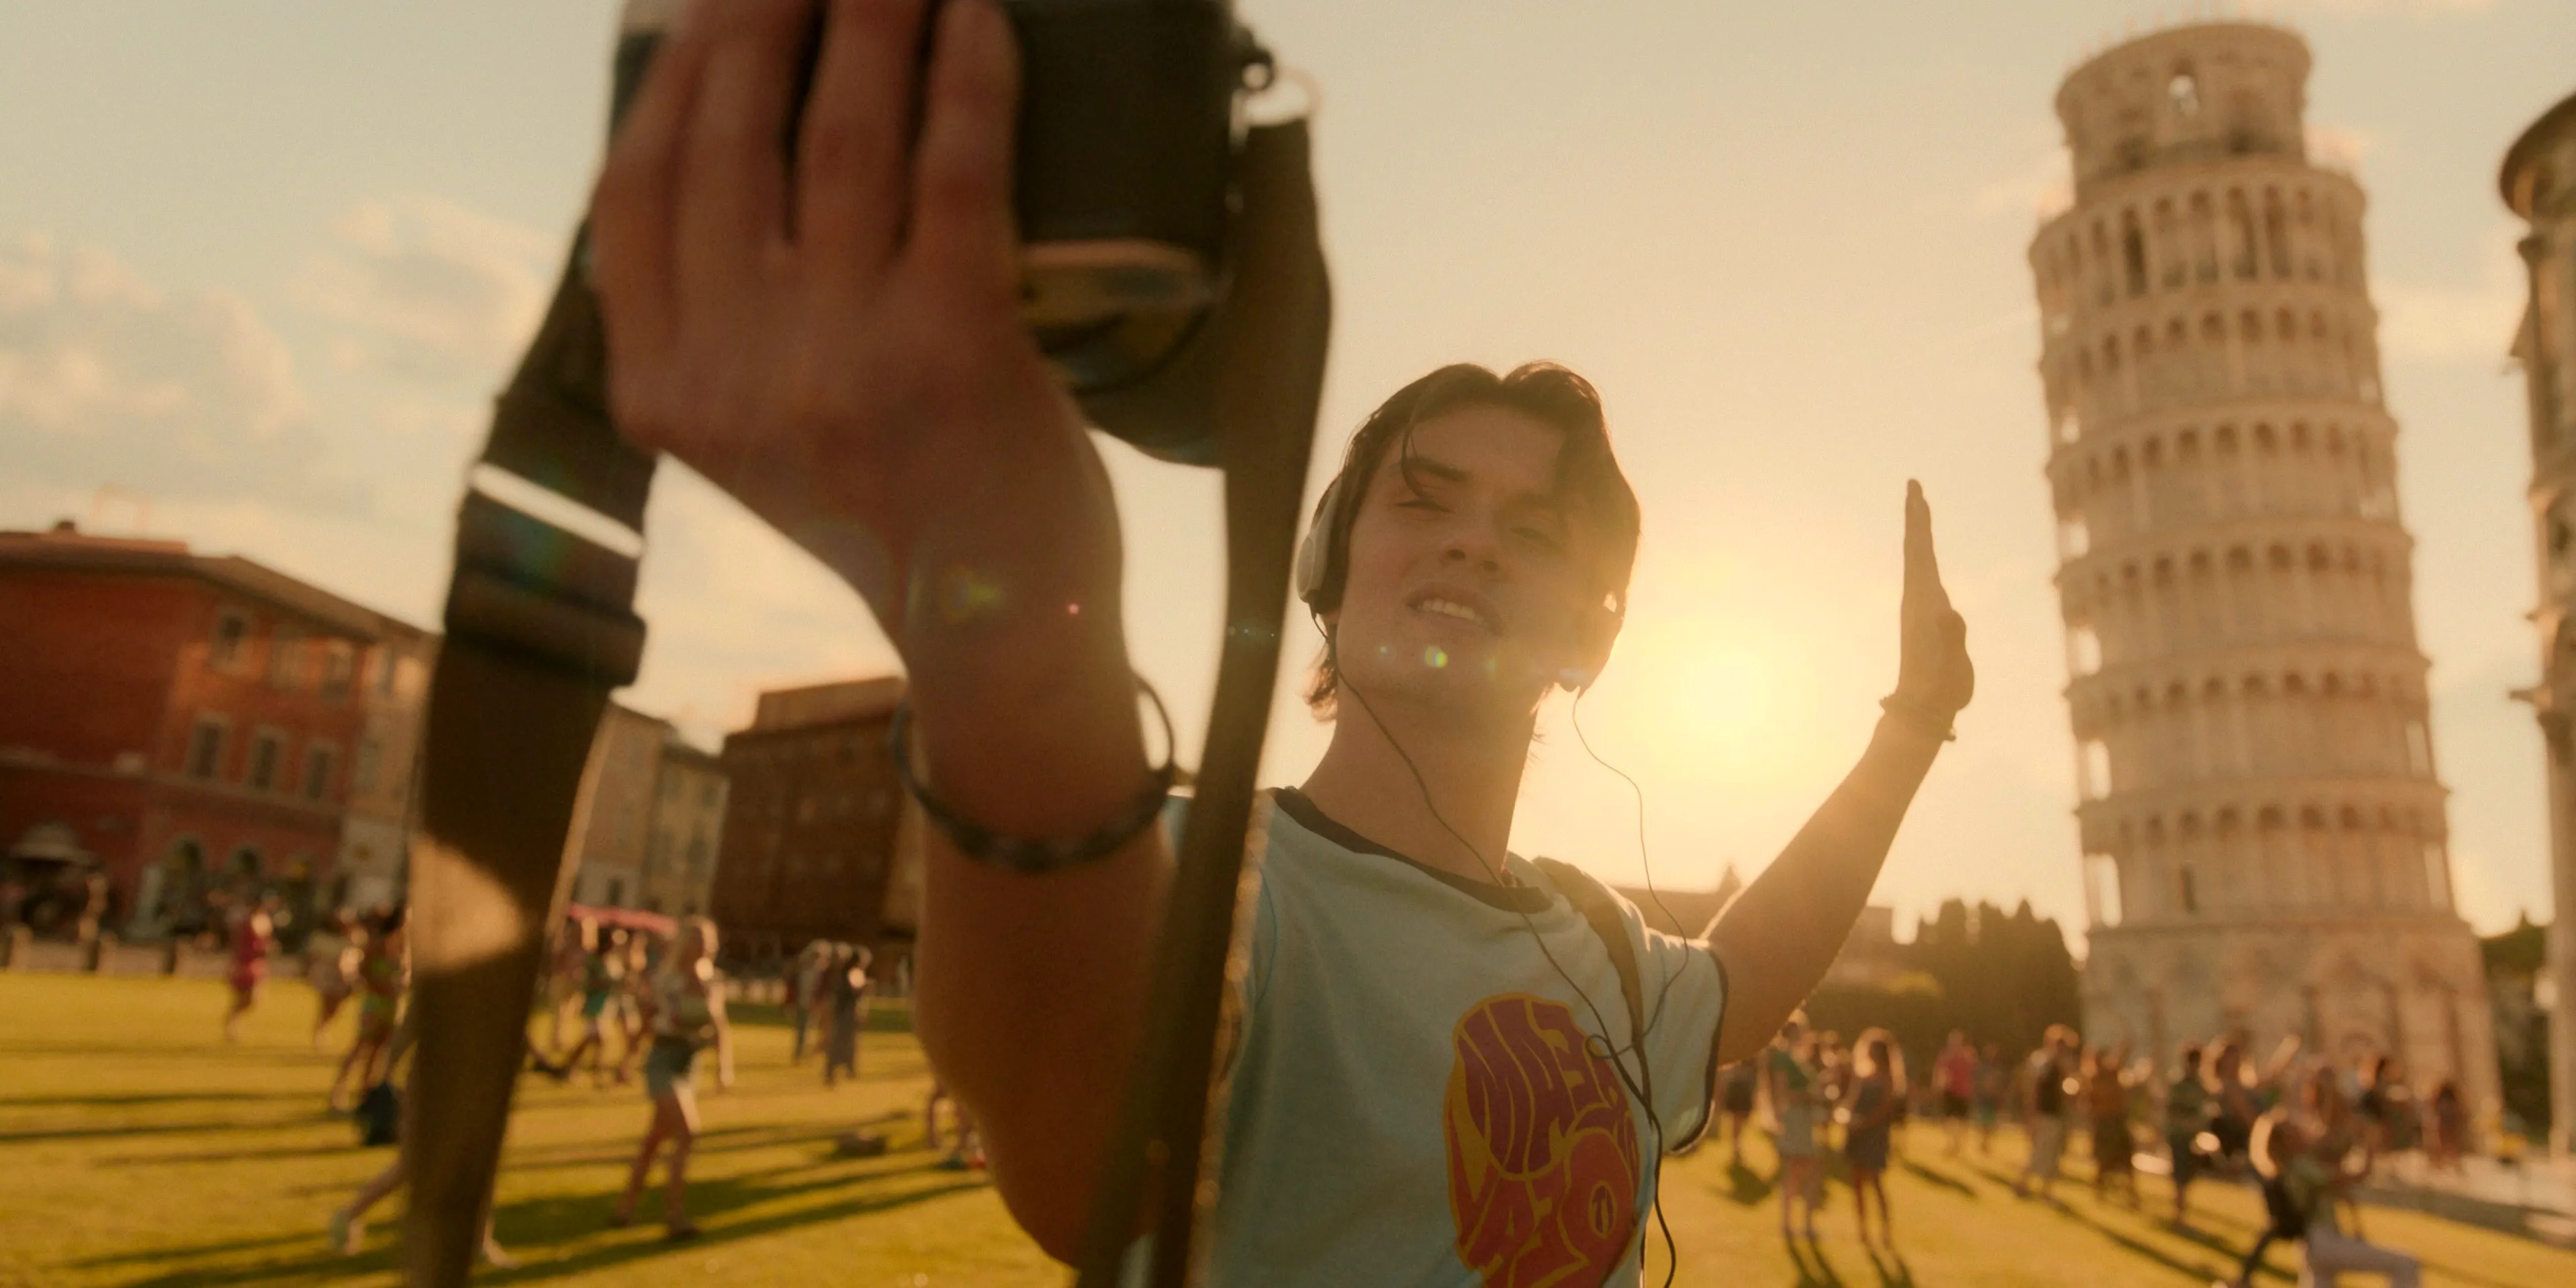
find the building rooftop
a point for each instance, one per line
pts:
(818, 704)
(2520, 179)
(65, 548)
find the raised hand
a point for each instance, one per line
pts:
(1933, 673)
(841, 347)
(838, 344)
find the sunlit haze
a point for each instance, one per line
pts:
(262, 263)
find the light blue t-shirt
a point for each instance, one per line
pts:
(1414, 1100)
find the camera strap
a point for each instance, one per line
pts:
(540, 628)
(1258, 363)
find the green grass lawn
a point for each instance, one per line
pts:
(135, 1148)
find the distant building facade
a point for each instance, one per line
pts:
(687, 831)
(2540, 185)
(375, 837)
(616, 825)
(2264, 836)
(819, 842)
(189, 719)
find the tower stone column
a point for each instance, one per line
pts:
(2539, 181)
(2264, 842)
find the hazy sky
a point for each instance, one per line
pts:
(262, 262)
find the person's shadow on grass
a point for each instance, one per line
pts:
(1744, 1186)
(1946, 1181)
(1808, 1256)
(1892, 1270)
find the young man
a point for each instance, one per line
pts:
(1434, 1080)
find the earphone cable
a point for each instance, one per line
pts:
(1611, 1051)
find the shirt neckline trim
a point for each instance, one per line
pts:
(1511, 898)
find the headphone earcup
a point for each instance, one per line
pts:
(1315, 553)
(1309, 574)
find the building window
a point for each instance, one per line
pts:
(2437, 877)
(206, 747)
(2096, 770)
(267, 748)
(2185, 91)
(2419, 750)
(387, 666)
(318, 760)
(2188, 880)
(285, 659)
(697, 855)
(2102, 889)
(232, 633)
(339, 670)
(2083, 650)
(363, 775)
(616, 892)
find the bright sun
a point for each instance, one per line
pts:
(1710, 700)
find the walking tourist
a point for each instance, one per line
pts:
(966, 1146)
(2450, 1133)
(638, 960)
(1737, 1089)
(253, 936)
(2386, 1105)
(1954, 1072)
(846, 353)
(2052, 1089)
(1870, 1108)
(346, 1228)
(845, 993)
(685, 1012)
(2306, 1171)
(2186, 1121)
(603, 970)
(1994, 1086)
(2106, 1104)
(333, 954)
(565, 966)
(804, 989)
(382, 975)
(1791, 1088)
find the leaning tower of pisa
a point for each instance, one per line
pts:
(2262, 828)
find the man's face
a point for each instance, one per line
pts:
(1467, 578)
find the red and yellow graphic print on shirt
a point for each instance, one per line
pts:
(1542, 1148)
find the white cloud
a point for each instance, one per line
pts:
(2042, 186)
(429, 288)
(107, 379)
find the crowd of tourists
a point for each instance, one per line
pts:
(2303, 1130)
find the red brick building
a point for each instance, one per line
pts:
(191, 719)
(819, 842)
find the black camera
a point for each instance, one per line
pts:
(1129, 129)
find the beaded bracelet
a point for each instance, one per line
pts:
(1924, 717)
(1021, 854)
